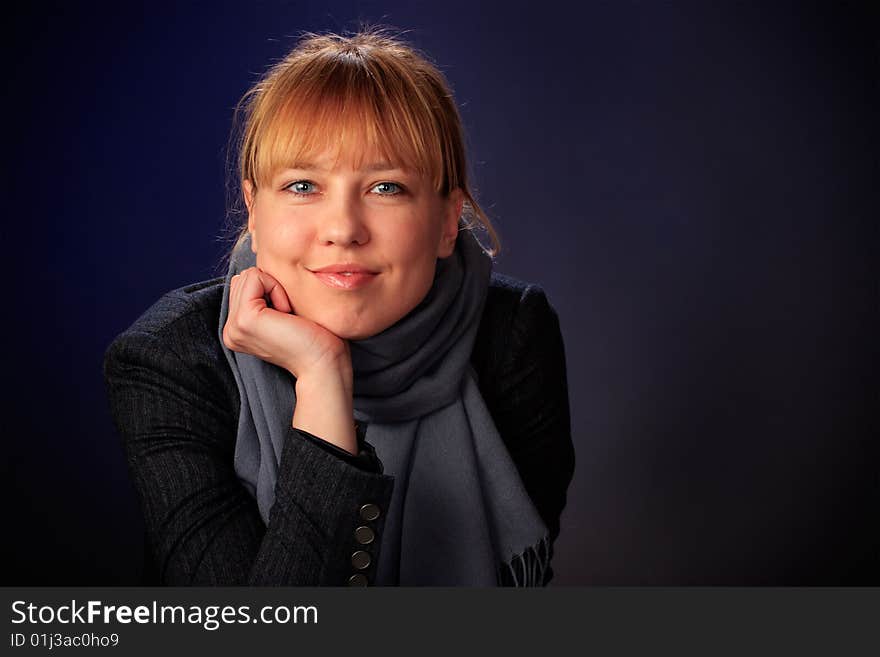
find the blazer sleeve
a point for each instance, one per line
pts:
(178, 432)
(532, 408)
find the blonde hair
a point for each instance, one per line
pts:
(368, 91)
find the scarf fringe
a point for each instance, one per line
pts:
(530, 568)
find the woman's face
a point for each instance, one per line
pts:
(355, 249)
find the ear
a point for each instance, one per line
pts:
(451, 215)
(249, 193)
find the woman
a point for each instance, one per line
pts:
(360, 400)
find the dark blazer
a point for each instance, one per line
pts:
(175, 404)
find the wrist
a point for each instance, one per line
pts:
(325, 408)
(325, 381)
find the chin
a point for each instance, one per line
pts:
(348, 328)
(354, 335)
(345, 330)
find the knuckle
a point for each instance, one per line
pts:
(242, 322)
(227, 338)
(242, 325)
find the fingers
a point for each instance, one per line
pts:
(252, 292)
(234, 328)
(250, 288)
(275, 334)
(239, 295)
(277, 294)
(245, 301)
(246, 320)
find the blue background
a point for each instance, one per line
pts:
(694, 186)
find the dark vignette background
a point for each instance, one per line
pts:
(694, 185)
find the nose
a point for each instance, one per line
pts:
(342, 223)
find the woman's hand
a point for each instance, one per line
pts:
(320, 360)
(274, 334)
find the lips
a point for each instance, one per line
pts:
(345, 276)
(345, 267)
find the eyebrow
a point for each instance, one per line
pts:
(373, 166)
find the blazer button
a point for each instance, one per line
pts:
(358, 579)
(360, 559)
(369, 512)
(364, 535)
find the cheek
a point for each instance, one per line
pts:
(414, 259)
(416, 239)
(417, 259)
(283, 240)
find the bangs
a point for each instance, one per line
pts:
(343, 107)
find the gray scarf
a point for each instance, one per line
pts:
(458, 505)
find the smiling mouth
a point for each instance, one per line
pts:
(345, 280)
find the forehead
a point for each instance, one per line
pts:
(353, 159)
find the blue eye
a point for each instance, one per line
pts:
(302, 187)
(387, 189)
